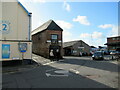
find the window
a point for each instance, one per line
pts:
(39, 37)
(113, 38)
(54, 38)
(114, 47)
(118, 38)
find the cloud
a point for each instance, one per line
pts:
(66, 6)
(95, 38)
(85, 35)
(67, 35)
(82, 20)
(94, 35)
(113, 32)
(97, 35)
(105, 26)
(64, 25)
(114, 29)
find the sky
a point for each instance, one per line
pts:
(91, 22)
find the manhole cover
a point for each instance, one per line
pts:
(57, 72)
(62, 71)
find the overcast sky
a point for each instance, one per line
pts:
(91, 22)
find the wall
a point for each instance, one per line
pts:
(41, 44)
(39, 41)
(14, 14)
(23, 24)
(60, 38)
(111, 40)
(9, 14)
(16, 54)
(17, 30)
(81, 44)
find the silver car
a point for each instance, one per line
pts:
(98, 56)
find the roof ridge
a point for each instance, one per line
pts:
(49, 25)
(73, 41)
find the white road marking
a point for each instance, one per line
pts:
(35, 57)
(48, 75)
(48, 63)
(75, 71)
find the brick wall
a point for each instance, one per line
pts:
(113, 39)
(40, 44)
(81, 44)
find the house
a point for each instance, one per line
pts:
(113, 43)
(76, 47)
(47, 37)
(15, 38)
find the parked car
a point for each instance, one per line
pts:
(114, 52)
(106, 52)
(98, 55)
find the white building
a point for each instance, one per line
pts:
(15, 28)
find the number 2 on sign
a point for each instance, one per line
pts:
(4, 27)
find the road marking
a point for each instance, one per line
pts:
(48, 75)
(48, 63)
(75, 71)
(35, 57)
(57, 73)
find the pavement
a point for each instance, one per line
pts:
(18, 66)
(37, 60)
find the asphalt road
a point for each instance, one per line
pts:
(70, 72)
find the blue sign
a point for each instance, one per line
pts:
(22, 47)
(5, 51)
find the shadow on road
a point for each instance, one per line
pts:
(103, 65)
(13, 63)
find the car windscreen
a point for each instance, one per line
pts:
(98, 53)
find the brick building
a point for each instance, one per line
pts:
(113, 43)
(47, 37)
(75, 47)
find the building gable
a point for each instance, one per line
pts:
(49, 25)
(54, 26)
(29, 14)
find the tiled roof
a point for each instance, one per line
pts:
(49, 25)
(70, 43)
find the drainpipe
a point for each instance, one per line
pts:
(29, 32)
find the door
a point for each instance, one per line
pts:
(55, 48)
(5, 51)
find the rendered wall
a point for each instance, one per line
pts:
(16, 31)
